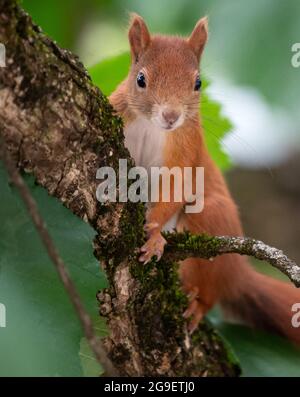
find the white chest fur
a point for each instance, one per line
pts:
(145, 143)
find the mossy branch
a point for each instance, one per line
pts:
(186, 245)
(59, 127)
(33, 210)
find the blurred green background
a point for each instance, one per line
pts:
(248, 60)
(250, 42)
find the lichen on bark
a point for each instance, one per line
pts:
(61, 128)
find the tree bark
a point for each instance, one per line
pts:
(186, 245)
(59, 127)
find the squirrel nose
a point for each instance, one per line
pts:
(170, 116)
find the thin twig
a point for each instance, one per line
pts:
(185, 245)
(179, 246)
(94, 341)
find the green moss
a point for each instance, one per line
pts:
(159, 306)
(205, 245)
(131, 225)
(212, 341)
(159, 303)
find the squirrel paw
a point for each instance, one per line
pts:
(153, 247)
(195, 310)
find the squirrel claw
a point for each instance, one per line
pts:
(193, 325)
(195, 312)
(153, 247)
(150, 227)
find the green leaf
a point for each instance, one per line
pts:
(110, 72)
(42, 335)
(89, 364)
(259, 353)
(215, 126)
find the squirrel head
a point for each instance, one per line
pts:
(164, 81)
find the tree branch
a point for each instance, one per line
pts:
(185, 245)
(59, 127)
(39, 224)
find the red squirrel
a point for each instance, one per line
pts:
(159, 103)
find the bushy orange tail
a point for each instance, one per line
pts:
(266, 303)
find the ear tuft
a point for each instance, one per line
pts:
(139, 36)
(199, 36)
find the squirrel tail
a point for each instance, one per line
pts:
(265, 303)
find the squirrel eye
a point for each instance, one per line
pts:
(198, 84)
(141, 80)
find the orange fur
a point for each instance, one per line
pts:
(170, 65)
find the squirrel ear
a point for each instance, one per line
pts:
(199, 36)
(139, 36)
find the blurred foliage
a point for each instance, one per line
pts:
(59, 19)
(250, 42)
(43, 334)
(89, 364)
(110, 72)
(259, 353)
